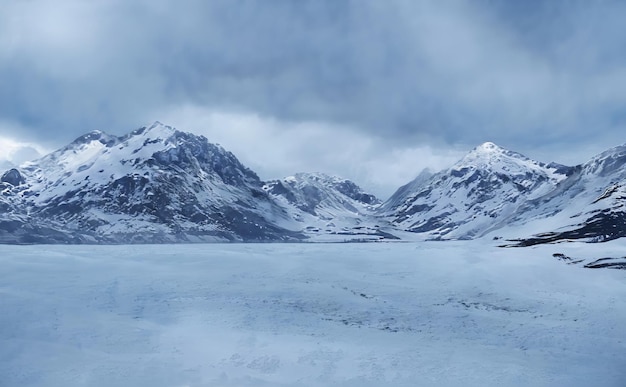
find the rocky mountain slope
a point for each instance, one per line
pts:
(159, 185)
(470, 198)
(155, 184)
(503, 194)
(588, 205)
(329, 207)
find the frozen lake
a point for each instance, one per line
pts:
(405, 314)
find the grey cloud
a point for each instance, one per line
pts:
(517, 73)
(23, 154)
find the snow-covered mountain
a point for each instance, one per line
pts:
(472, 197)
(329, 207)
(588, 205)
(505, 194)
(322, 195)
(155, 184)
(158, 184)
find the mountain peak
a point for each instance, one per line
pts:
(94, 135)
(488, 184)
(489, 154)
(159, 126)
(156, 130)
(611, 153)
(488, 147)
(607, 162)
(316, 176)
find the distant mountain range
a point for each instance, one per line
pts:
(160, 185)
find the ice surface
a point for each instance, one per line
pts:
(378, 314)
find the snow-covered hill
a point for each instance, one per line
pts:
(473, 196)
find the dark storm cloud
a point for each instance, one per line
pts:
(448, 72)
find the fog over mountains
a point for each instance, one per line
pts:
(160, 185)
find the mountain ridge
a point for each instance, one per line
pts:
(154, 184)
(157, 184)
(465, 200)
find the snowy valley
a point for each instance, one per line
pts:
(138, 298)
(338, 193)
(460, 313)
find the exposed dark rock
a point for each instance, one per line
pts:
(13, 177)
(601, 227)
(610, 263)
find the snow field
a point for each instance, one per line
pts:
(401, 314)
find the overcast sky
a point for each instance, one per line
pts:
(371, 90)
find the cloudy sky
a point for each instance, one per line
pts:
(371, 90)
